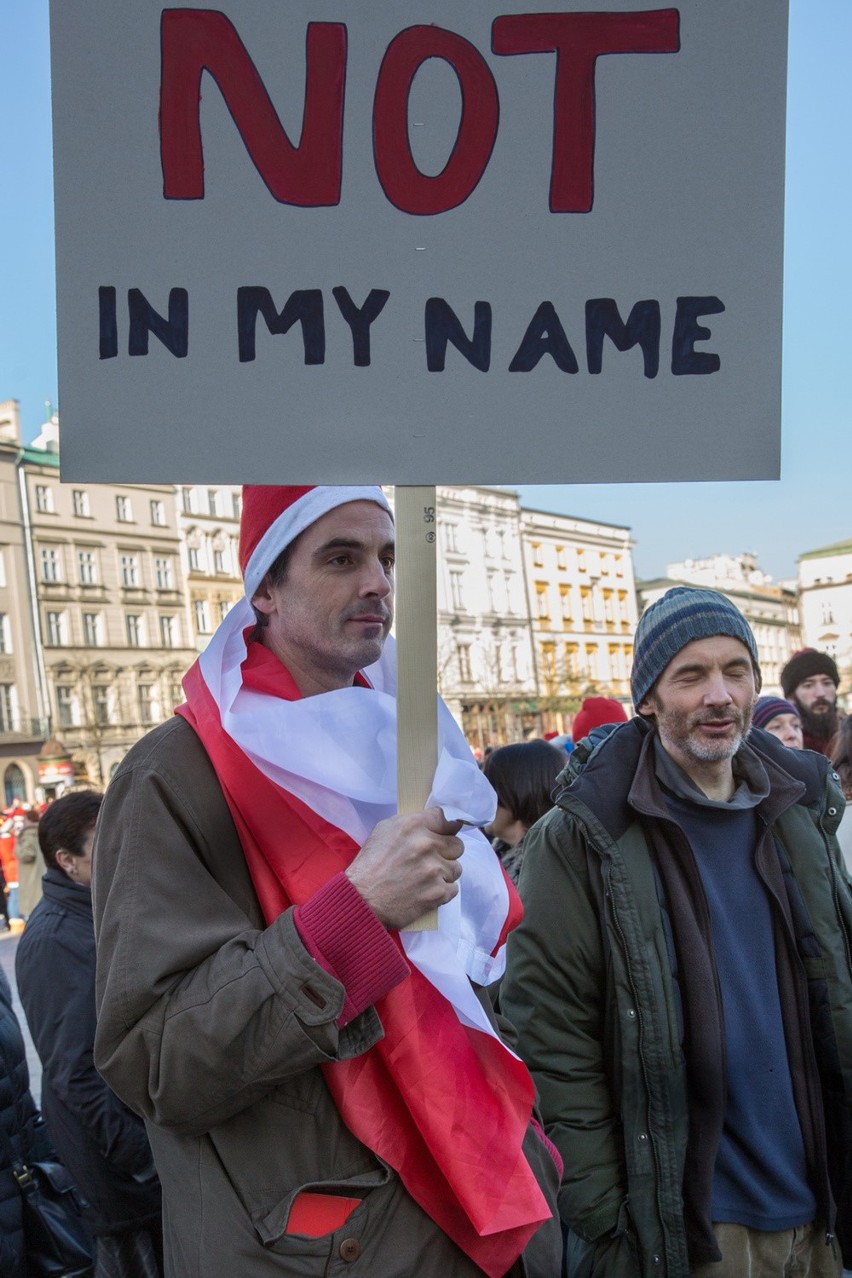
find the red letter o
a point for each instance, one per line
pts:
(403, 183)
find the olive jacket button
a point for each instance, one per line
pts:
(350, 1249)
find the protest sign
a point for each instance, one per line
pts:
(422, 241)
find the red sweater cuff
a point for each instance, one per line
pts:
(343, 935)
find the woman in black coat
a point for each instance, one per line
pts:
(22, 1124)
(102, 1143)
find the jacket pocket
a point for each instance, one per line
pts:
(346, 1242)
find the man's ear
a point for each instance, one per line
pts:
(262, 599)
(646, 707)
(64, 860)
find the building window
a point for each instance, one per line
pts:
(168, 631)
(548, 663)
(66, 707)
(537, 554)
(8, 708)
(158, 513)
(827, 612)
(129, 570)
(202, 616)
(44, 499)
(87, 566)
(194, 554)
(176, 696)
(135, 630)
(80, 502)
(591, 662)
(3, 567)
(164, 573)
(92, 629)
(5, 634)
(100, 697)
(237, 504)
(451, 540)
(14, 785)
(50, 565)
(187, 501)
(465, 675)
(457, 591)
(145, 701)
(224, 608)
(565, 602)
(57, 632)
(542, 607)
(586, 602)
(213, 500)
(572, 661)
(219, 565)
(561, 562)
(123, 510)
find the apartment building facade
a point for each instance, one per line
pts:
(486, 668)
(23, 707)
(110, 609)
(582, 605)
(209, 527)
(825, 594)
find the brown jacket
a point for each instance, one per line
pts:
(213, 1027)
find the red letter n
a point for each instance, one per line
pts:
(578, 40)
(198, 40)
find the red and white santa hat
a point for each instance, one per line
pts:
(275, 515)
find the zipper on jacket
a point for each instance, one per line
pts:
(661, 1216)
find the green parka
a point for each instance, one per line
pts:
(592, 990)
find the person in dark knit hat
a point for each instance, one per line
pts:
(781, 718)
(691, 1074)
(810, 680)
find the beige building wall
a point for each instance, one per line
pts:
(486, 671)
(582, 604)
(23, 719)
(825, 595)
(111, 607)
(209, 521)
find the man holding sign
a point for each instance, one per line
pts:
(319, 1084)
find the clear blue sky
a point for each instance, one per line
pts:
(809, 507)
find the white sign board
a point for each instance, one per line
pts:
(427, 241)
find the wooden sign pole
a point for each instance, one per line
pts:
(416, 654)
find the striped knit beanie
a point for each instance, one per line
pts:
(684, 614)
(768, 708)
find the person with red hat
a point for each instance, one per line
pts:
(321, 1084)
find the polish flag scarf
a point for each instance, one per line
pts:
(440, 1098)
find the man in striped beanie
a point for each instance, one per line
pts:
(323, 1087)
(695, 1075)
